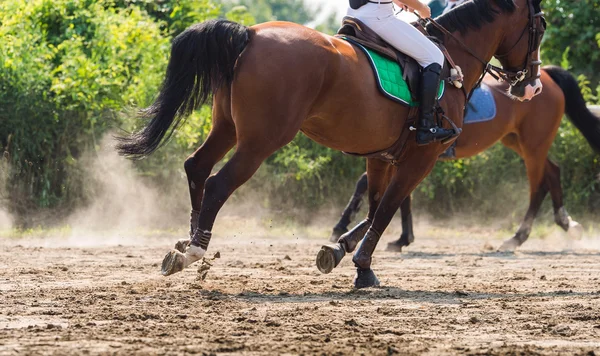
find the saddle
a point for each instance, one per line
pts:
(355, 31)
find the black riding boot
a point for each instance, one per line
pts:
(428, 130)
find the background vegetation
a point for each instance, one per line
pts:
(71, 71)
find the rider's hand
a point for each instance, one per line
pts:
(424, 11)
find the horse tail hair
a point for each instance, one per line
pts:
(203, 59)
(577, 111)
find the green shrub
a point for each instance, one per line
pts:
(67, 68)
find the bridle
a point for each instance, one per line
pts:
(536, 26)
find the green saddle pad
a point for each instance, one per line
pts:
(389, 78)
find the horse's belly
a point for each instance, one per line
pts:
(352, 130)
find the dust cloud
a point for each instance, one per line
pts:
(124, 208)
(6, 221)
(127, 209)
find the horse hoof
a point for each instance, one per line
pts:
(181, 245)
(509, 245)
(173, 262)
(575, 230)
(329, 257)
(394, 247)
(365, 278)
(337, 233)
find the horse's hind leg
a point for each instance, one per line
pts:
(351, 209)
(199, 165)
(243, 164)
(561, 217)
(535, 163)
(407, 236)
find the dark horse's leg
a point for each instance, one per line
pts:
(351, 209)
(407, 236)
(561, 217)
(535, 165)
(331, 255)
(400, 187)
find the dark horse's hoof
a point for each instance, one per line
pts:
(403, 241)
(337, 233)
(329, 257)
(365, 278)
(395, 246)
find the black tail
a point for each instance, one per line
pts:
(585, 121)
(202, 60)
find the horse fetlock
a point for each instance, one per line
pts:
(406, 239)
(337, 232)
(362, 260)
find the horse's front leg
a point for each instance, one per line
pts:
(407, 176)
(351, 209)
(407, 236)
(331, 255)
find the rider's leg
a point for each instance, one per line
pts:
(407, 39)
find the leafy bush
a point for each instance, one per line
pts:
(67, 68)
(72, 70)
(571, 36)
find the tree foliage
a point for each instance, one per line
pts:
(67, 68)
(572, 36)
(72, 70)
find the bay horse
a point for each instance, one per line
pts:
(272, 80)
(528, 128)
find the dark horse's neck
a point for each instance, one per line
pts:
(480, 27)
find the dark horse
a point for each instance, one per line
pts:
(528, 128)
(272, 80)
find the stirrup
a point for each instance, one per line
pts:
(431, 133)
(456, 129)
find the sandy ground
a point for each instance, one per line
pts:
(449, 293)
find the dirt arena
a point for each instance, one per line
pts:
(450, 293)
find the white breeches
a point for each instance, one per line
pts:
(402, 35)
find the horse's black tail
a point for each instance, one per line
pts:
(202, 60)
(585, 121)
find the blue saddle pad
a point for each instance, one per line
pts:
(482, 106)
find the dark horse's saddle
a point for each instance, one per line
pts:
(355, 31)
